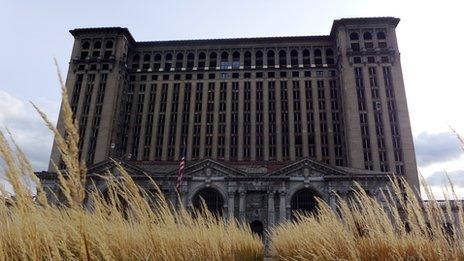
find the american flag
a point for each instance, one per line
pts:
(180, 173)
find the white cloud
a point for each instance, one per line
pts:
(27, 128)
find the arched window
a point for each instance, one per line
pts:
(270, 58)
(212, 200)
(224, 60)
(318, 57)
(168, 62)
(85, 48)
(306, 58)
(247, 60)
(146, 61)
(235, 60)
(282, 58)
(367, 36)
(108, 51)
(259, 59)
(190, 60)
(224, 56)
(97, 45)
(157, 63)
(354, 37)
(329, 56)
(201, 60)
(213, 60)
(96, 49)
(85, 45)
(109, 44)
(381, 36)
(382, 40)
(135, 62)
(303, 202)
(294, 58)
(179, 60)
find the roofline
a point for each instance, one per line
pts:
(252, 40)
(363, 20)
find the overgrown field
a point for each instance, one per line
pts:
(126, 226)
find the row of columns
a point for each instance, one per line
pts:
(270, 206)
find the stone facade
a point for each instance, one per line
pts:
(266, 124)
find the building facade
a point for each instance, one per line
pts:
(265, 124)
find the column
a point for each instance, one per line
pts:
(278, 121)
(240, 120)
(270, 209)
(242, 205)
(217, 89)
(204, 107)
(282, 206)
(371, 119)
(231, 206)
(167, 122)
(253, 121)
(266, 120)
(291, 126)
(228, 121)
(304, 119)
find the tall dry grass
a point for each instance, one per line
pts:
(398, 227)
(127, 225)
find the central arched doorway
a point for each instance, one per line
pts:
(257, 227)
(212, 200)
(303, 202)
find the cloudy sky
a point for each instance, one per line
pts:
(429, 37)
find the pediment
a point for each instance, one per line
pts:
(210, 168)
(307, 168)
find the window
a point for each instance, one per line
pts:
(209, 198)
(224, 60)
(212, 76)
(318, 57)
(247, 60)
(294, 58)
(282, 58)
(357, 59)
(157, 63)
(179, 61)
(270, 58)
(85, 45)
(213, 60)
(135, 62)
(306, 58)
(329, 56)
(381, 40)
(235, 60)
(146, 61)
(190, 61)
(259, 59)
(201, 60)
(354, 36)
(303, 201)
(367, 36)
(109, 44)
(168, 62)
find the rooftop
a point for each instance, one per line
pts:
(276, 39)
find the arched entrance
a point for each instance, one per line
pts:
(303, 202)
(257, 227)
(212, 199)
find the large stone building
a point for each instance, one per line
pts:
(265, 124)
